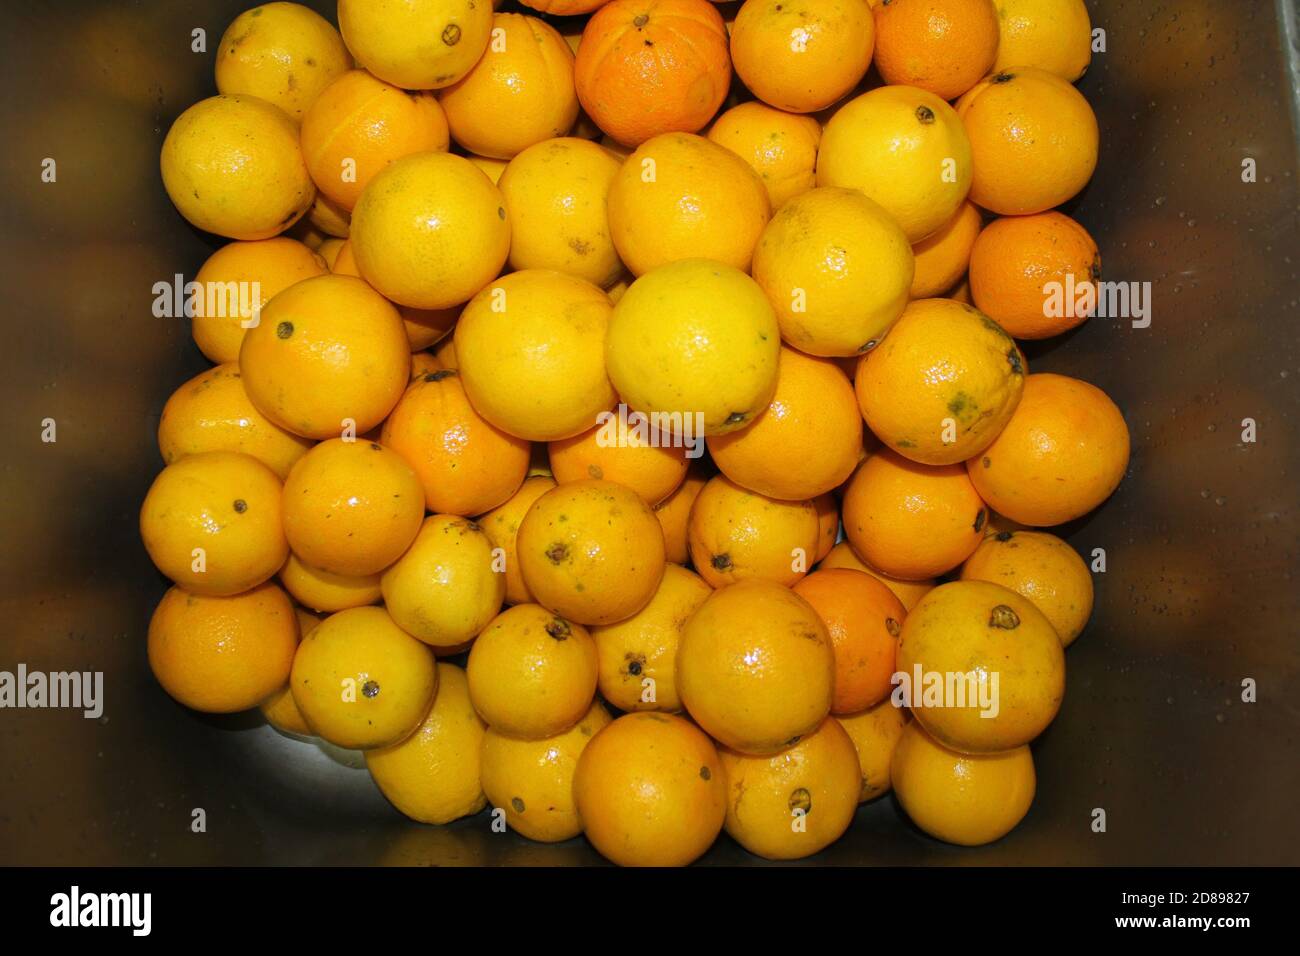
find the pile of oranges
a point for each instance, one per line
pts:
(626, 430)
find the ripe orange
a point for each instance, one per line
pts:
(1042, 568)
(466, 465)
(328, 356)
(961, 798)
(647, 461)
(638, 656)
(532, 674)
(211, 412)
(501, 525)
(520, 92)
(755, 667)
(802, 57)
(212, 523)
(674, 513)
(1014, 264)
(942, 257)
(416, 44)
(220, 655)
(1062, 453)
(1051, 35)
(875, 733)
(944, 46)
(909, 592)
(591, 551)
(807, 441)
(912, 521)
(325, 590)
(864, 620)
(352, 507)
(424, 327)
(1033, 138)
(681, 196)
(236, 281)
(781, 147)
(359, 125)
(797, 802)
(942, 384)
(651, 791)
(736, 535)
(646, 68)
(361, 681)
(998, 661)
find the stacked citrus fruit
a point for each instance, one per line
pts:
(618, 447)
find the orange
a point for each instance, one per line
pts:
(1042, 568)
(466, 465)
(985, 668)
(493, 168)
(532, 674)
(530, 350)
(416, 44)
(681, 196)
(755, 667)
(797, 802)
(282, 52)
(236, 281)
(591, 551)
(352, 507)
(674, 513)
(212, 523)
(909, 592)
(328, 356)
(651, 791)
(828, 520)
(694, 344)
(1051, 35)
(942, 384)
(737, 535)
(279, 709)
(361, 681)
(330, 219)
(555, 194)
(649, 462)
(433, 775)
(912, 521)
(232, 166)
(519, 93)
(638, 656)
(531, 781)
(430, 230)
(863, 619)
(565, 8)
(875, 733)
(1033, 138)
(359, 125)
(944, 46)
(422, 363)
(501, 525)
(211, 412)
(1062, 454)
(326, 591)
(905, 148)
(646, 67)
(1036, 276)
(423, 327)
(781, 147)
(836, 268)
(961, 798)
(942, 257)
(807, 441)
(220, 655)
(802, 57)
(446, 587)
(329, 250)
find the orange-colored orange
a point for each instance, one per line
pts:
(909, 592)
(1062, 453)
(646, 67)
(942, 257)
(424, 327)
(944, 46)
(466, 465)
(501, 525)
(736, 534)
(864, 620)
(649, 462)
(910, 520)
(674, 512)
(1036, 276)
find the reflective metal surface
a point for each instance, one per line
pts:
(1200, 540)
